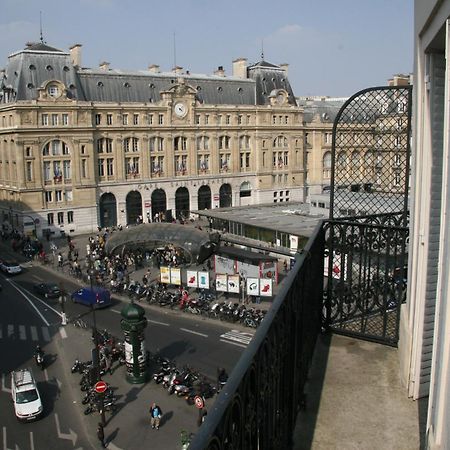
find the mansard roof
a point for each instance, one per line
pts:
(31, 68)
(269, 77)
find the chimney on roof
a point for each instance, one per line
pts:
(399, 80)
(75, 54)
(285, 67)
(154, 68)
(220, 72)
(104, 65)
(240, 68)
(177, 70)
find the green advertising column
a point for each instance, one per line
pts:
(133, 324)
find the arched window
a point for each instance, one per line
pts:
(280, 142)
(56, 162)
(224, 142)
(327, 165)
(131, 144)
(180, 143)
(244, 142)
(104, 145)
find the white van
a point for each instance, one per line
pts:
(25, 395)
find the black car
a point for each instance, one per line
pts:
(48, 290)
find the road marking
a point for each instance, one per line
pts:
(71, 436)
(45, 374)
(118, 312)
(193, 332)
(233, 343)
(4, 441)
(28, 300)
(37, 278)
(31, 441)
(62, 332)
(46, 334)
(159, 323)
(4, 388)
(34, 335)
(237, 336)
(10, 330)
(22, 333)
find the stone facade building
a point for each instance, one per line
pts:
(82, 148)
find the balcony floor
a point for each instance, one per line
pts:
(354, 400)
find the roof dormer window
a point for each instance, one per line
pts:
(49, 67)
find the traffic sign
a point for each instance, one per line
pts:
(100, 387)
(199, 402)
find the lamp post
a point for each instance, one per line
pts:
(34, 223)
(95, 351)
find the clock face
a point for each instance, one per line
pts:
(180, 109)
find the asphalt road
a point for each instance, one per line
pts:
(27, 320)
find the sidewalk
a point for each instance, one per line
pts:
(129, 426)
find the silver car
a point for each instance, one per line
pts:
(10, 267)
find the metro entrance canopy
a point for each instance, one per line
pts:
(199, 245)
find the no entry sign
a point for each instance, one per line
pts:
(100, 387)
(199, 403)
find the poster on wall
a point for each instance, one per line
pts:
(293, 241)
(203, 280)
(165, 275)
(265, 287)
(338, 269)
(175, 276)
(233, 283)
(221, 282)
(191, 278)
(268, 269)
(252, 286)
(224, 265)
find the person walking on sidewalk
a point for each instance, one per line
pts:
(101, 435)
(155, 415)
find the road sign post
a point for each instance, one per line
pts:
(100, 388)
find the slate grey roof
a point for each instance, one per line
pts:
(29, 69)
(269, 77)
(325, 110)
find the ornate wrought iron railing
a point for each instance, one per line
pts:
(258, 407)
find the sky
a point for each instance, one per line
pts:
(333, 47)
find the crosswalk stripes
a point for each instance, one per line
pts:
(24, 333)
(241, 339)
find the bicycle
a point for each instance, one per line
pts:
(79, 323)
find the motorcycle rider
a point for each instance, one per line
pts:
(39, 356)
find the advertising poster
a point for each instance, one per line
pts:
(191, 278)
(252, 286)
(338, 269)
(165, 275)
(221, 282)
(175, 276)
(268, 269)
(293, 241)
(233, 283)
(224, 265)
(203, 280)
(265, 287)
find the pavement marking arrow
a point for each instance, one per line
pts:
(4, 388)
(71, 436)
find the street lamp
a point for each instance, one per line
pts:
(34, 223)
(95, 351)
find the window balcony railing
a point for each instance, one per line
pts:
(258, 406)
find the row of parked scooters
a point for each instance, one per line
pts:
(205, 304)
(111, 351)
(185, 382)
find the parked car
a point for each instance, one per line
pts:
(25, 395)
(96, 297)
(10, 267)
(48, 290)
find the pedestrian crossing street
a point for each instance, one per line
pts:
(239, 338)
(24, 333)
